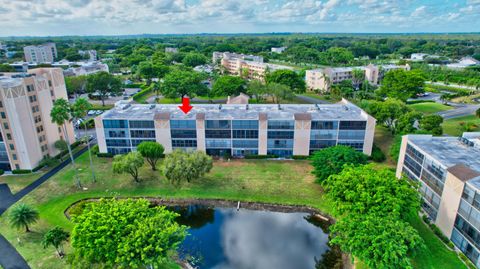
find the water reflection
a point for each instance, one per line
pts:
(225, 239)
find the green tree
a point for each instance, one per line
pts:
(79, 110)
(288, 78)
(180, 165)
(76, 84)
(152, 152)
(61, 146)
(336, 55)
(358, 77)
(61, 114)
(128, 163)
(6, 68)
(379, 241)
(344, 89)
(406, 122)
(279, 92)
(387, 112)
(193, 59)
(149, 70)
(183, 83)
(258, 89)
(23, 215)
(55, 237)
(228, 85)
(477, 113)
(401, 84)
(432, 124)
(330, 161)
(126, 233)
(103, 84)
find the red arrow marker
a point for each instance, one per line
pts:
(185, 107)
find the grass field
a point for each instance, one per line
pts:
(454, 126)
(429, 108)
(284, 182)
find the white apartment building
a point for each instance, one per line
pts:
(218, 56)
(322, 79)
(448, 172)
(27, 131)
(45, 53)
(278, 49)
(87, 68)
(171, 50)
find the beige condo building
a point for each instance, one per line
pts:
(323, 79)
(27, 132)
(448, 172)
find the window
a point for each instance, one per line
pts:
(116, 133)
(245, 124)
(17, 166)
(52, 94)
(32, 98)
(281, 124)
(3, 115)
(109, 124)
(117, 143)
(218, 143)
(49, 83)
(136, 142)
(182, 124)
(217, 134)
(353, 144)
(9, 136)
(323, 134)
(329, 125)
(320, 144)
(245, 143)
(175, 133)
(5, 125)
(353, 125)
(281, 134)
(415, 154)
(217, 124)
(30, 88)
(142, 133)
(245, 133)
(11, 146)
(14, 157)
(141, 124)
(179, 143)
(1, 104)
(280, 143)
(351, 134)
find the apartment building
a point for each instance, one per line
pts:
(237, 130)
(248, 66)
(171, 50)
(448, 171)
(27, 132)
(278, 50)
(322, 79)
(86, 68)
(45, 53)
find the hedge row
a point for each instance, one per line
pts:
(142, 93)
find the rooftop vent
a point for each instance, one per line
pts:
(345, 107)
(466, 142)
(246, 107)
(152, 106)
(220, 107)
(126, 106)
(279, 107)
(317, 106)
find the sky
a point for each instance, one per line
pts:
(122, 17)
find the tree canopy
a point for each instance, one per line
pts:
(126, 233)
(189, 166)
(432, 124)
(387, 112)
(228, 85)
(402, 84)
(149, 70)
(193, 59)
(23, 215)
(330, 161)
(103, 84)
(288, 78)
(128, 163)
(151, 151)
(55, 237)
(181, 83)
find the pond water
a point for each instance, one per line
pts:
(224, 238)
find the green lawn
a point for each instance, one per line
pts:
(429, 107)
(18, 182)
(454, 126)
(284, 182)
(384, 139)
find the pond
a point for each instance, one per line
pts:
(224, 238)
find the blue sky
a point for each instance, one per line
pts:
(116, 17)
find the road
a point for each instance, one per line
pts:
(453, 85)
(459, 111)
(9, 257)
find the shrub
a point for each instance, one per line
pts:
(395, 148)
(77, 209)
(439, 233)
(104, 155)
(142, 93)
(1, 172)
(300, 157)
(466, 261)
(21, 171)
(377, 154)
(411, 102)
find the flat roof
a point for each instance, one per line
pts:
(343, 111)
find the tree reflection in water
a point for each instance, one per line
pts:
(195, 216)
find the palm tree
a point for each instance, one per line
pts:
(61, 114)
(79, 110)
(22, 216)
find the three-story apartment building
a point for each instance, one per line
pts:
(237, 130)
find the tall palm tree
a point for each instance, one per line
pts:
(22, 216)
(79, 110)
(61, 114)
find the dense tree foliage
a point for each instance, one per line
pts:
(126, 233)
(181, 83)
(228, 85)
(76, 84)
(401, 84)
(432, 124)
(22, 215)
(193, 59)
(376, 206)
(152, 152)
(149, 70)
(103, 84)
(330, 161)
(128, 163)
(288, 78)
(179, 166)
(387, 113)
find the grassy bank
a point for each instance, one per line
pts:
(283, 182)
(456, 126)
(429, 107)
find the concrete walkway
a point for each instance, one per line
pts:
(9, 257)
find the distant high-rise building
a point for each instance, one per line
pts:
(27, 131)
(45, 53)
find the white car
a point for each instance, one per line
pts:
(91, 112)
